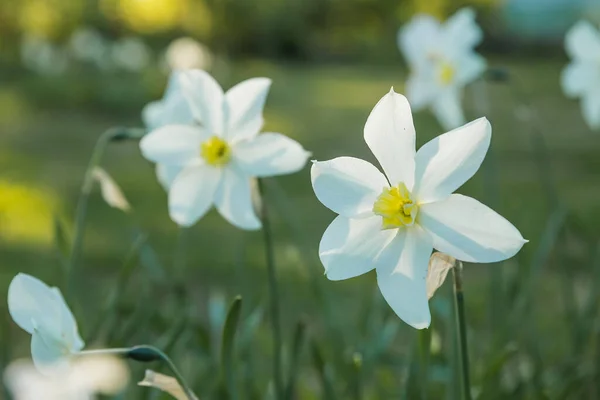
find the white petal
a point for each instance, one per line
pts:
(448, 110)
(470, 67)
(420, 91)
(270, 154)
(69, 331)
(402, 273)
(166, 174)
(152, 114)
(418, 37)
(349, 247)
(206, 99)
(579, 78)
(47, 354)
(32, 303)
(172, 109)
(348, 186)
(582, 42)
(460, 32)
(192, 193)
(245, 102)
(390, 134)
(470, 231)
(172, 144)
(449, 160)
(590, 105)
(233, 199)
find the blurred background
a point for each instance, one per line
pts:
(70, 69)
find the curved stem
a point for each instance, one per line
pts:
(274, 295)
(82, 203)
(461, 327)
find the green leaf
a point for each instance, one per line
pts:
(227, 359)
(298, 342)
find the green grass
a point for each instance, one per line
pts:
(47, 144)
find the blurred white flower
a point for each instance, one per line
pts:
(42, 311)
(222, 152)
(442, 61)
(172, 109)
(187, 53)
(87, 44)
(86, 377)
(581, 78)
(43, 57)
(111, 192)
(392, 222)
(131, 54)
(165, 383)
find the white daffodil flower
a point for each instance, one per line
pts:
(581, 78)
(442, 62)
(392, 222)
(219, 155)
(87, 376)
(173, 108)
(42, 311)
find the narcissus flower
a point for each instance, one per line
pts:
(42, 311)
(442, 61)
(581, 78)
(392, 222)
(220, 154)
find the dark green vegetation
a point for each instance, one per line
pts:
(532, 321)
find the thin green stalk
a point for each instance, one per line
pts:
(146, 354)
(82, 204)
(274, 295)
(461, 327)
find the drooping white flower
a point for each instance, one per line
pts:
(172, 109)
(165, 383)
(42, 311)
(86, 377)
(392, 222)
(111, 192)
(222, 152)
(442, 62)
(581, 78)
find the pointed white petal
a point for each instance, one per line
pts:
(166, 174)
(451, 159)
(192, 193)
(470, 67)
(270, 154)
(152, 114)
(172, 144)
(461, 32)
(111, 192)
(245, 102)
(401, 275)
(349, 247)
(32, 303)
(580, 78)
(172, 109)
(582, 42)
(420, 91)
(69, 331)
(390, 134)
(447, 108)
(417, 37)
(47, 353)
(470, 231)
(348, 186)
(206, 99)
(590, 105)
(233, 199)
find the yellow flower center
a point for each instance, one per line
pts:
(446, 73)
(396, 207)
(215, 151)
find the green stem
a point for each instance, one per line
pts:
(461, 327)
(82, 204)
(146, 354)
(274, 295)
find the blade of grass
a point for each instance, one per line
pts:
(227, 346)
